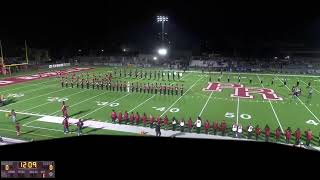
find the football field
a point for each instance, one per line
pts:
(38, 102)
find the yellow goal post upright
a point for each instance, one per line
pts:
(6, 68)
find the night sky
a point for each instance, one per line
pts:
(63, 27)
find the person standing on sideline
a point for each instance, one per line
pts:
(18, 127)
(258, 132)
(223, 127)
(165, 122)
(288, 135)
(174, 123)
(250, 129)
(65, 124)
(79, 127)
(151, 121)
(267, 133)
(13, 115)
(308, 137)
(239, 131)
(215, 127)
(113, 116)
(190, 125)
(158, 129)
(206, 127)
(278, 133)
(298, 136)
(234, 129)
(182, 125)
(198, 125)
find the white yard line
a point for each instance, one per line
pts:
(302, 103)
(142, 103)
(274, 112)
(238, 105)
(205, 105)
(37, 97)
(53, 102)
(23, 86)
(181, 96)
(28, 114)
(311, 86)
(104, 106)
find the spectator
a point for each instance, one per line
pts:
(18, 128)
(166, 122)
(79, 127)
(151, 121)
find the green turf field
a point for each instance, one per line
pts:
(41, 97)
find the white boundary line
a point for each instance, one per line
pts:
(53, 102)
(22, 86)
(28, 114)
(181, 97)
(311, 86)
(104, 106)
(302, 103)
(238, 106)
(274, 112)
(38, 96)
(142, 103)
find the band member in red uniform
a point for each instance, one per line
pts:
(64, 109)
(151, 121)
(258, 132)
(288, 135)
(131, 118)
(206, 127)
(137, 117)
(65, 124)
(120, 117)
(18, 128)
(223, 127)
(159, 120)
(125, 117)
(215, 127)
(166, 122)
(267, 133)
(190, 123)
(278, 134)
(308, 137)
(113, 116)
(297, 134)
(144, 119)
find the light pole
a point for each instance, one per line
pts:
(162, 20)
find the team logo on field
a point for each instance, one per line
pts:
(244, 92)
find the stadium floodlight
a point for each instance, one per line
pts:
(79, 50)
(155, 58)
(162, 51)
(275, 57)
(102, 50)
(124, 50)
(162, 19)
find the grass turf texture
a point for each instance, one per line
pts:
(290, 112)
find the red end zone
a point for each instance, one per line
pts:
(21, 79)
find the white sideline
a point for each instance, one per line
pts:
(274, 112)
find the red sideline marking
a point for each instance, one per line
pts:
(21, 79)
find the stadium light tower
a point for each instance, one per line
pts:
(162, 20)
